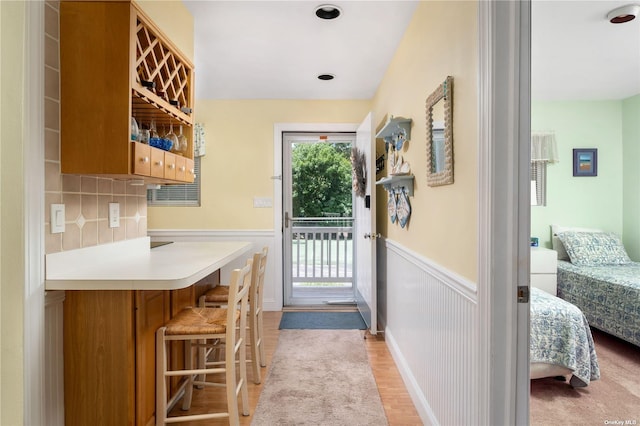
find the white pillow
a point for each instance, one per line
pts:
(557, 245)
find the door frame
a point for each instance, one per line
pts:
(278, 130)
(504, 129)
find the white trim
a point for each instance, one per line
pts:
(503, 212)
(33, 169)
(455, 282)
(206, 234)
(420, 402)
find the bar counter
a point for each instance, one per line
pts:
(133, 265)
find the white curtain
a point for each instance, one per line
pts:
(543, 147)
(198, 140)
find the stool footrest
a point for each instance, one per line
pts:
(194, 372)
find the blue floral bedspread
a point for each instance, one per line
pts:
(609, 296)
(560, 335)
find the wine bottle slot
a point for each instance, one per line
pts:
(148, 84)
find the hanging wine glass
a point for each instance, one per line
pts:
(153, 132)
(182, 142)
(135, 130)
(170, 136)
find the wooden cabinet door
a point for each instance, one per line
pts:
(98, 358)
(152, 312)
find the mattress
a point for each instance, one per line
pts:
(561, 340)
(608, 295)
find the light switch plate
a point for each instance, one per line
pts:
(56, 219)
(262, 202)
(114, 215)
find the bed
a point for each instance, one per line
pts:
(560, 341)
(597, 276)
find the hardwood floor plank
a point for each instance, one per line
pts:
(396, 400)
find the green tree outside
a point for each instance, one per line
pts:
(321, 180)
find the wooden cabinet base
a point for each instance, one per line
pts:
(109, 351)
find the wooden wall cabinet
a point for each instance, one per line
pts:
(110, 55)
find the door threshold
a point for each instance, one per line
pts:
(341, 302)
(320, 308)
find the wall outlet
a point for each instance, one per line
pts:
(114, 215)
(57, 218)
(262, 202)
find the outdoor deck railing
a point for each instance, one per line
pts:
(322, 250)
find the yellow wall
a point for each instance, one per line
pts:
(239, 161)
(441, 40)
(12, 259)
(174, 19)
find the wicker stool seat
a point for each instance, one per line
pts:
(218, 296)
(193, 326)
(195, 321)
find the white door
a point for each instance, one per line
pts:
(365, 229)
(318, 220)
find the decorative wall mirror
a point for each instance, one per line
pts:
(439, 111)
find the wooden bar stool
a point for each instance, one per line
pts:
(207, 324)
(219, 296)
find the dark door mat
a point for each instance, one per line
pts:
(322, 320)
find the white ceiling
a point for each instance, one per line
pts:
(576, 54)
(275, 49)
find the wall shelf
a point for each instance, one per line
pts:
(396, 131)
(398, 181)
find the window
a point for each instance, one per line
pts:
(538, 183)
(177, 195)
(543, 152)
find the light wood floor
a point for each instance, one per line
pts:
(395, 398)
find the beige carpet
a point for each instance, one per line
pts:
(613, 398)
(320, 377)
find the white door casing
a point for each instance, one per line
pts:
(278, 130)
(364, 235)
(503, 210)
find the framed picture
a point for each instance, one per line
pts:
(585, 162)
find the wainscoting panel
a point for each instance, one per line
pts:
(54, 358)
(273, 276)
(430, 321)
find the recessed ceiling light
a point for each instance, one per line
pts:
(328, 11)
(623, 14)
(326, 77)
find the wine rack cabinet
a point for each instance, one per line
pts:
(115, 63)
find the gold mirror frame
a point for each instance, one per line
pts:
(445, 176)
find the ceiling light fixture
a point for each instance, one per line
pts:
(328, 11)
(326, 77)
(623, 14)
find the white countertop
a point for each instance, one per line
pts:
(132, 265)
